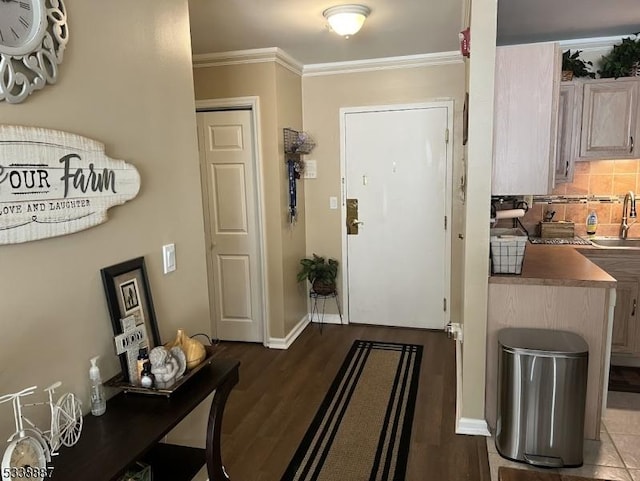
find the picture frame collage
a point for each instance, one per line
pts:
(128, 295)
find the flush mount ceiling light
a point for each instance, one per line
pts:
(346, 20)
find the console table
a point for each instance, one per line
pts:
(134, 424)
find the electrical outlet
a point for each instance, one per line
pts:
(169, 258)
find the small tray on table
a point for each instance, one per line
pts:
(120, 383)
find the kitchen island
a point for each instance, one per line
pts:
(559, 289)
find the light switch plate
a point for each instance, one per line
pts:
(333, 202)
(310, 169)
(169, 258)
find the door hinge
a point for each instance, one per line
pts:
(445, 304)
(446, 136)
(445, 222)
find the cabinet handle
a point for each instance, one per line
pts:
(631, 148)
(566, 170)
(633, 311)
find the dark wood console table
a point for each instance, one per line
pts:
(134, 424)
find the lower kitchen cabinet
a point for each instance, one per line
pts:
(625, 267)
(624, 339)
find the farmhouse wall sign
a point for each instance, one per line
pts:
(54, 183)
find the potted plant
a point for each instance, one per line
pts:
(622, 61)
(321, 273)
(574, 66)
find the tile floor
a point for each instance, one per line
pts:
(616, 456)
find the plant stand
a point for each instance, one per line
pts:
(318, 313)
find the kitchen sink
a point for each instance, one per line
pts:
(617, 242)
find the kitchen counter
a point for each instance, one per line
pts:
(556, 265)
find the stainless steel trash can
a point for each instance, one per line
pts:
(542, 384)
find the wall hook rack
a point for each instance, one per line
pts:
(296, 144)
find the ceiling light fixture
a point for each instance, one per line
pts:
(346, 20)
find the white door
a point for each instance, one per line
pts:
(397, 168)
(230, 184)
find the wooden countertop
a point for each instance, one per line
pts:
(556, 265)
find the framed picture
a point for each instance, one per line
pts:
(126, 287)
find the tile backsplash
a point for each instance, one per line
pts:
(597, 178)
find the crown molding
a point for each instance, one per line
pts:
(275, 54)
(595, 43)
(407, 61)
(239, 57)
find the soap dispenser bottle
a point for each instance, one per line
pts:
(98, 400)
(592, 223)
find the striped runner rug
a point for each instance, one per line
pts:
(363, 427)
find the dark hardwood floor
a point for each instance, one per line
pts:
(279, 392)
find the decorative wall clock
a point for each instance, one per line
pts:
(33, 36)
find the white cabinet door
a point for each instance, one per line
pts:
(609, 119)
(527, 85)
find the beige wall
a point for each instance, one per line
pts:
(126, 80)
(324, 96)
(280, 106)
(289, 95)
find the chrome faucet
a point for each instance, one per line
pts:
(629, 198)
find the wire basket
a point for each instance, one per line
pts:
(507, 250)
(297, 142)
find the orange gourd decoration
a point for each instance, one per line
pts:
(194, 350)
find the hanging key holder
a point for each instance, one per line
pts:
(296, 144)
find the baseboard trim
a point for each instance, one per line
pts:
(458, 380)
(473, 427)
(327, 319)
(285, 343)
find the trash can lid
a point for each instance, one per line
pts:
(543, 341)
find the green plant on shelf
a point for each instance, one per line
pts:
(571, 62)
(623, 60)
(320, 272)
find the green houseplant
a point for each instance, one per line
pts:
(320, 272)
(571, 62)
(622, 61)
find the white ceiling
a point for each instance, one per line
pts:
(395, 27)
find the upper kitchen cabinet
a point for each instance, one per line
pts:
(609, 119)
(568, 135)
(527, 85)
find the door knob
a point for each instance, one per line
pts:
(357, 222)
